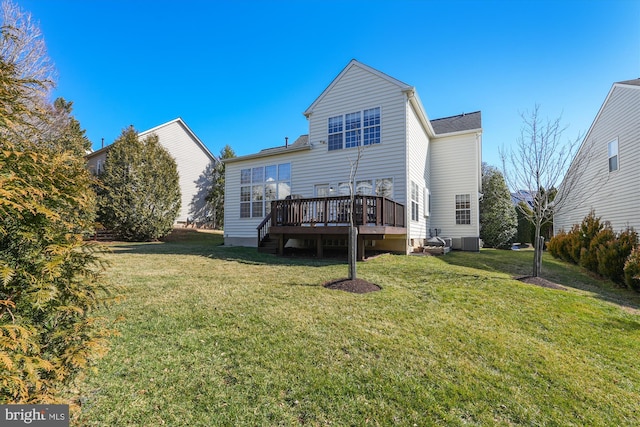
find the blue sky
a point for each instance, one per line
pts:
(242, 72)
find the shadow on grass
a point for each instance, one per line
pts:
(210, 245)
(520, 263)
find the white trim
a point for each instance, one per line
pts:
(152, 130)
(182, 123)
(616, 155)
(426, 198)
(354, 63)
(268, 153)
(361, 128)
(615, 85)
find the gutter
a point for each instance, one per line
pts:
(268, 153)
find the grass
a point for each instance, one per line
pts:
(226, 336)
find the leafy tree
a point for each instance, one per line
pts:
(216, 195)
(498, 219)
(139, 198)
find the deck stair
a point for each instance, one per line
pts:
(268, 245)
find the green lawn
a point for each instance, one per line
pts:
(214, 336)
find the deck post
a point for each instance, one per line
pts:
(360, 247)
(319, 249)
(281, 244)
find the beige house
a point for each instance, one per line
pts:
(610, 181)
(416, 178)
(192, 159)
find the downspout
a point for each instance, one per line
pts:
(410, 93)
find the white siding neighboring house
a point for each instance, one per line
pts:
(191, 155)
(430, 167)
(612, 175)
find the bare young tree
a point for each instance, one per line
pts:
(23, 45)
(24, 57)
(548, 167)
(353, 229)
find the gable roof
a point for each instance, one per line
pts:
(351, 64)
(180, 122)
(186, 128)
(460, 123)
(627, 84)
(635, 82)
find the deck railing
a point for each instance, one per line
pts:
(263, 228)
(368, 210)
(333, 211)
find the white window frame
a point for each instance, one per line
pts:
(344, 189)
(463, 209)
(378, 181)
(612, 153)
(426, 202)
(415, 202)
(259, 188)
(342, 134)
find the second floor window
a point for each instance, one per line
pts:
(612, 149)
(354, 129)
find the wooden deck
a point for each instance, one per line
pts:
(329, 217)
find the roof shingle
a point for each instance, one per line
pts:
(461, 122)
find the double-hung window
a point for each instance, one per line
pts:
(463, 209)
(372, 126)
(335, 133)
(354, 129)
(415, 201)
(612, 149)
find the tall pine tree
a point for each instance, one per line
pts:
(216, 195)
(498, 220)
(139, 198)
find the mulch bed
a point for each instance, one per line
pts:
(361, 286)
(357, 286)
(539, 281)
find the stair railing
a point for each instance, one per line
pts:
(263, 228)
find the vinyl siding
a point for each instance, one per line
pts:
(418, 172)
(190, 157)
(357, 90)
(455, 169)
(234, 226)
(613, 195)
(93, 160)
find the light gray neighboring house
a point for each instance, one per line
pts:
(612, 175)
(418, 177)
(192, 158)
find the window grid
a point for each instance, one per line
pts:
(260, 185)
(463, 209)
(415, 200)
(372, 126)
(360, 128)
